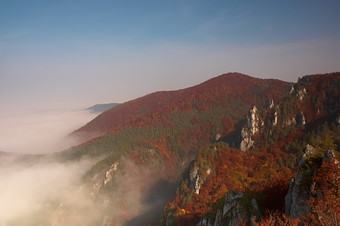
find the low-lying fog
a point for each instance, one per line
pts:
(36, 191)
(43, 193)
(41, 131)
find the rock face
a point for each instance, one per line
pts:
(300, 188)
(109, 173)
(231, 213)
(195, 183)
(246, 142)
(274, 120)
(251, 129)
(301, 94)
(253, 121)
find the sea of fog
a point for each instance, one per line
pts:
(40, 131)
(37, 192)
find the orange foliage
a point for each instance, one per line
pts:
(156, 108)
(161, 145)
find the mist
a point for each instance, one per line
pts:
(38, 191)
(40, 131)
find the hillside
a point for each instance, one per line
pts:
(99, 108)
(226, 91)
(148, 145)
(224, 186)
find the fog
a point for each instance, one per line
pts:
(36, 189)
(43, 193)
(40, 131)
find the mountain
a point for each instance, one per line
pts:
(99, 108)
(231, 90)
(187, 149)
(224, 186)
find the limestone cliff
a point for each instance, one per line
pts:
(232, 213)
(300, 188)
(250, 130)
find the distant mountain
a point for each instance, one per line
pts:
(99, 108)
(233, 133)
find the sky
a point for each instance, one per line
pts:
(66, 53)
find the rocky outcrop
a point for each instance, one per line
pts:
(274, 120)
(109, 173)
(217, 137)
(246, 142)
(255, 212)
(300, 188)
(195, 183)
(231, 209)
(206, 222)
(301, 94)
(231, 214)
(253, 122)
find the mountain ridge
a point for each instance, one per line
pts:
(131, 111)
(189, 142)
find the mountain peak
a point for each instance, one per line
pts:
(224, 90)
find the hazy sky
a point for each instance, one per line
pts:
(78, 53)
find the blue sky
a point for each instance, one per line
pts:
(67, 53)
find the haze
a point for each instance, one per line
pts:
(67, 53)
(59, 57)
(40, 131)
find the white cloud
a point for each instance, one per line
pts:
(39, 131)
(37, 194)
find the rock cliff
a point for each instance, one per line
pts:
(250, 130)
(232, 213)
(300, 188)
(195, 183)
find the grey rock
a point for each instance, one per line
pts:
(195, 183)
(274, 121)
(246, 142)
(231, 211)
(300, 188)
(328, 155)
(253, 121)
(252, 128)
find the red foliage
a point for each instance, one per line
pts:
(236, 171)
(156, 107)
(326, 203)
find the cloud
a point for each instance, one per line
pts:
(44, 193)
(37, 132)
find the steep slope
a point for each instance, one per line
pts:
(148, 142)
(227, 91)
(309, 114)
